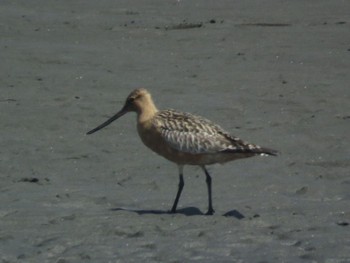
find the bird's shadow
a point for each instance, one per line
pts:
(187, 211)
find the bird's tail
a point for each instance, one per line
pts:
(266, 151)
(252, 149)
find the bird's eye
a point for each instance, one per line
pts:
(130, 100)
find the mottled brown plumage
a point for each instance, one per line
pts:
(183, 138)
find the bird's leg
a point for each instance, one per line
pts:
(179, 190)
(208, 181)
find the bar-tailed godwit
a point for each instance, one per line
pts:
(184, 139)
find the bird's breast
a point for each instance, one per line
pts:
(151, 137)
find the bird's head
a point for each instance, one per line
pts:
(138, 101)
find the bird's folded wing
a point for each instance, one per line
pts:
(195, 143)
(194, 134)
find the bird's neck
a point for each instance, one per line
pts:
(147, 112)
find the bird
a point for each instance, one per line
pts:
(184, 139)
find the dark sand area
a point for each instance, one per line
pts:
(275, 73)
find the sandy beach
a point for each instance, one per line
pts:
(274, 73)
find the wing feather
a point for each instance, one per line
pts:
(193, 134)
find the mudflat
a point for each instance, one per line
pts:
(274, 73)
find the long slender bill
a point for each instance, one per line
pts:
(109, 121)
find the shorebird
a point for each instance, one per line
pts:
(184, 139)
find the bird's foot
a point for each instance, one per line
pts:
(210, 212)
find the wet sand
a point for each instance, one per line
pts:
(275, 73)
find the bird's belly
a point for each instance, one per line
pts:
(156, 143)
